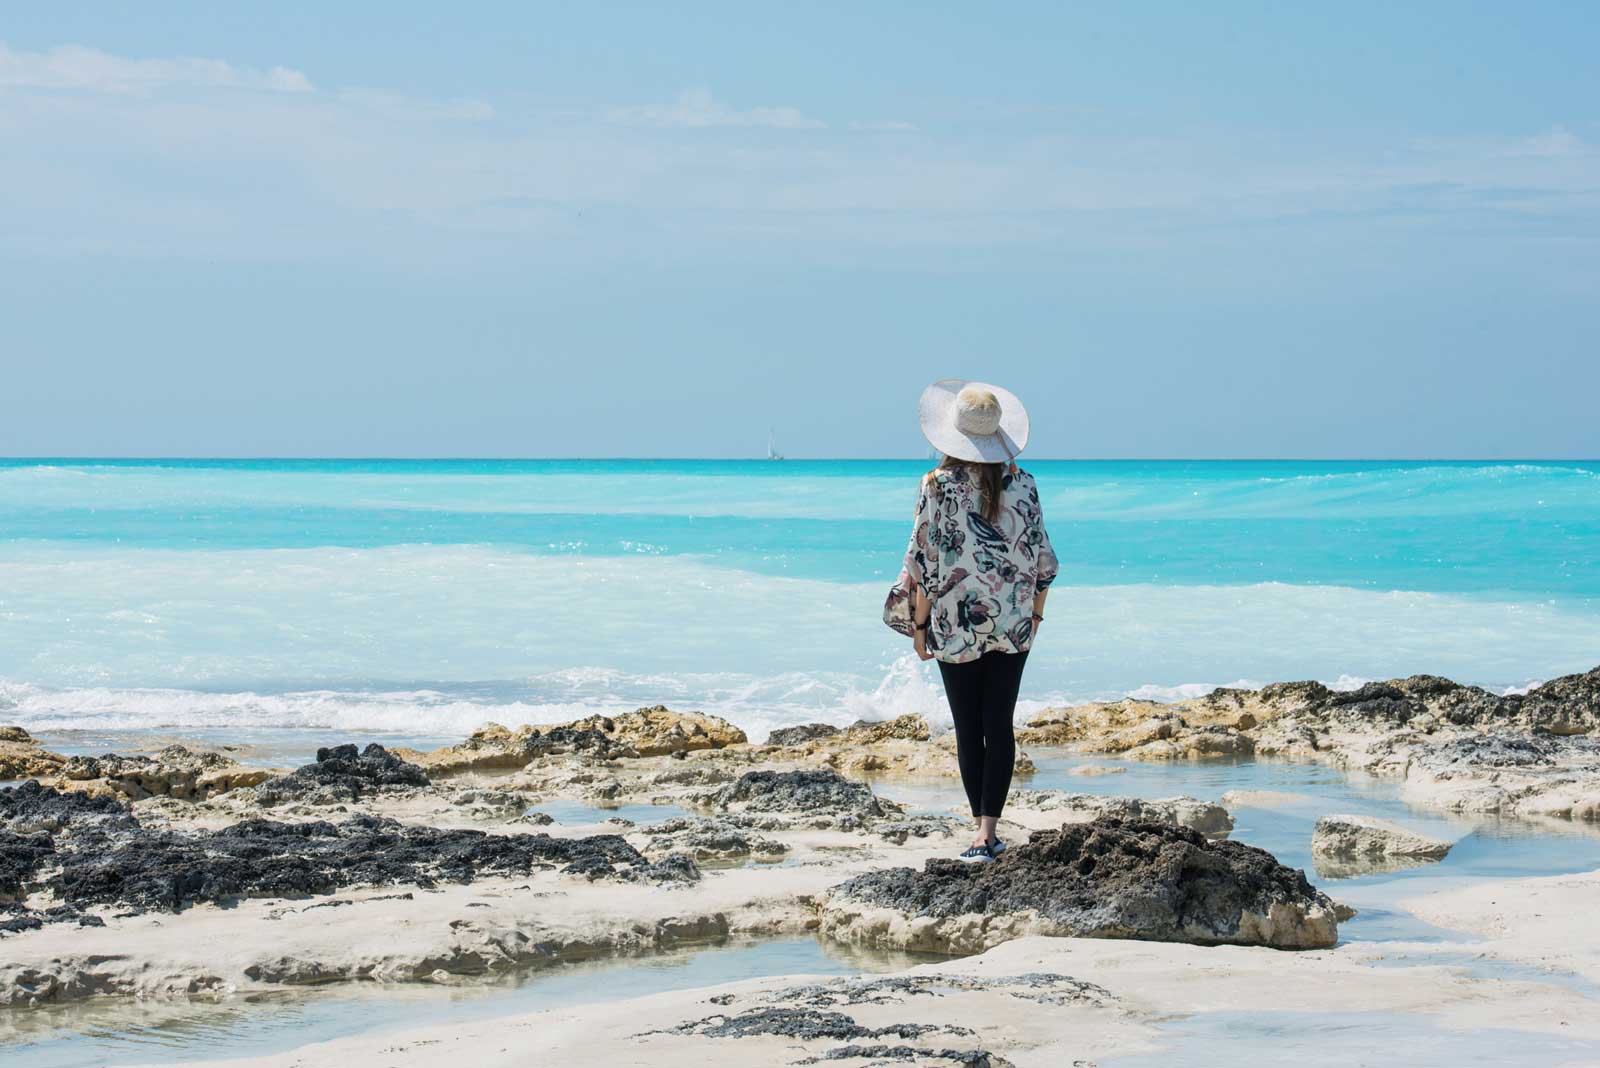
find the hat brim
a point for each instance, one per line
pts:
(937, 413)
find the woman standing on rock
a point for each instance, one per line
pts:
(976, 575)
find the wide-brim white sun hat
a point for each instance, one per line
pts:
(974, 421)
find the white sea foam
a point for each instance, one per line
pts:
(1346, 683)
(757, 705)
(453, 635)
(1186, 690)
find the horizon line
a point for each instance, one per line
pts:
(788, 459)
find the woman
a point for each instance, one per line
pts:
(976, 575)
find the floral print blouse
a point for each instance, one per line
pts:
(979, 578)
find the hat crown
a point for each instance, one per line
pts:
(977, 411)
(975, 421)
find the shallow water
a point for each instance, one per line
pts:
(136, 1033)
(1347, 1040)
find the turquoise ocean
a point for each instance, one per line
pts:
(421, 598)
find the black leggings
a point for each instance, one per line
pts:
(983, 695)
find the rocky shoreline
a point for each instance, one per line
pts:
(1459, 748)
(184, 873)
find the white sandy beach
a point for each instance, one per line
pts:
(1540, 922)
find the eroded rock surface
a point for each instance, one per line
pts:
(1208, 818)
(645, 732)
(887, 1019)
(815, 798)
(802, 1024)
(1353, 845)
(342, 773)
(659, 731)
(32, 806)
(169, 871)
(493, 747)
(711, 839)
(1043, 988)
(904, 745)
(801, 733)
(21, 857)
(1106, 879)
(1460, 747)
(82, 852)
(1564, 706)
(22, 757)
(173, 772)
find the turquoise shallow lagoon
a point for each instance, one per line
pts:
(377, 598)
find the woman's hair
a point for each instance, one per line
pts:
(989, 482)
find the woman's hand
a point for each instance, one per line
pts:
(921, 644)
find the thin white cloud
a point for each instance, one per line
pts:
(888, 125)
(399, 106)
(211, 171)
(697, 108)
(1555, 143)
(74, 67)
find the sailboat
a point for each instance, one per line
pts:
(772, 447)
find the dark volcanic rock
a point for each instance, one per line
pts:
(1399, 700)
(342, 774)
(800, 734)
(674, 868)
(823, 791)
(711, 839)
(170, 870)
(14, 918)
(21, 855)
(1106, 879)
(1567, 705)
(1044, 988)
(879, 1053)
(93, 851)
(28, 806)
(803, 1024)
(575, 740)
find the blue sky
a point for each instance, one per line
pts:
(547, 230)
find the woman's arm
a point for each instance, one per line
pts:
(922, 566)
(921, 609)
(1047, 565)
